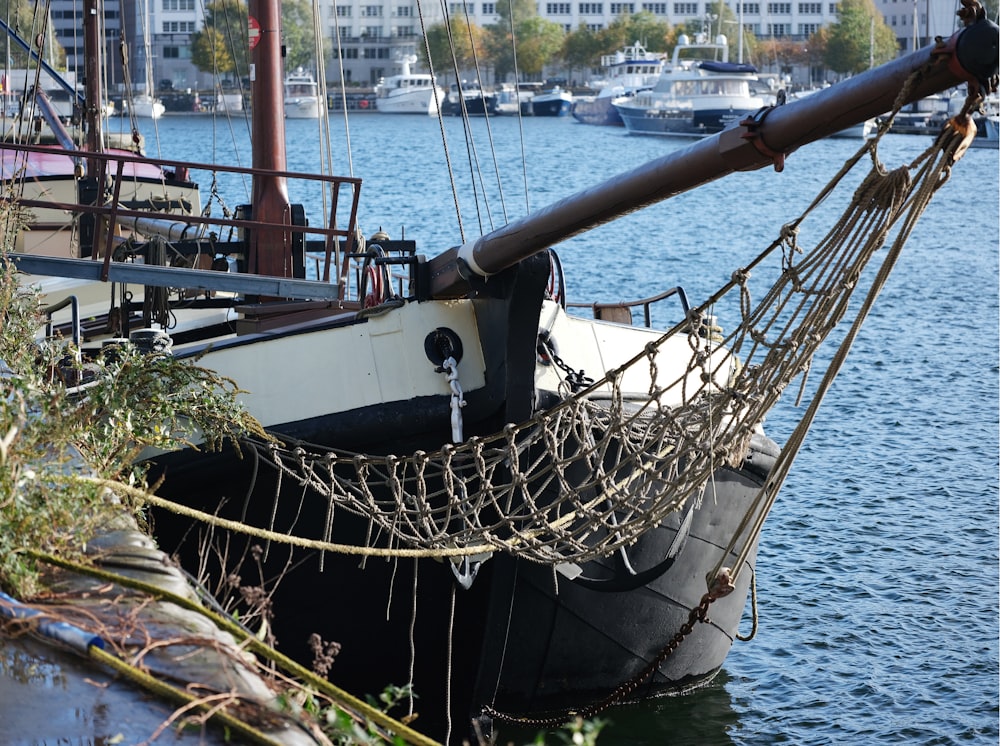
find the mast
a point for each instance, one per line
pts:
(93, 12)
(270, 247)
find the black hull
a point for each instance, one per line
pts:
(517, 644)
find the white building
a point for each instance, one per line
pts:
(369, 34)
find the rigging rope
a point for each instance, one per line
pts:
(602, 467)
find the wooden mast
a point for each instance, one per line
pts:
(94, 94)
(270, 247)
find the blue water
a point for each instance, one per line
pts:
(878, 568)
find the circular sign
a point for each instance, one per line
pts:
(254, 33)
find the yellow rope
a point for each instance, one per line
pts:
(154, 685)
(338, 695)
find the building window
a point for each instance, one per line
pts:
(777, 29)
(170, 5)
(489, 9)
(618, 9)
(373, 32)
(808, 29)
(349, 53)
(779, 9)
(749, 9)
(558, 9)
(657, 9)
(403, 31)
(371, 11)
(343, 11)
(178, 27)
(404, 11)
(591, 9)
(685, 9)
(834, 8)
(171, 53)
(810, 9)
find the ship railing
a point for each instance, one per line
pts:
(621, 312)
(111, 216)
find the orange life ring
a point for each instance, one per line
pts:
(363, 103)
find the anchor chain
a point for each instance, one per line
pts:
(722, 585)
(546, 349)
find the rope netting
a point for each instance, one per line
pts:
(609, 462)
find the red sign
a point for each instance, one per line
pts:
(254, 32)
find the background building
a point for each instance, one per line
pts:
(369, 35)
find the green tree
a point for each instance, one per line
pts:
(31, 26)
(458, 44)
(644, 27)
(582, 49)
(538, 42)
(222, 45)
(859, 38)
(298, 36)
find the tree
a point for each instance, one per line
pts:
(644, 27)
(458, 44)
(222, 45)
(582, 49)
(31, 26)
(859, 38)
(298, 37)
(538, 42)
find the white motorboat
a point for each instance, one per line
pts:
(409, 92)
(701, 93)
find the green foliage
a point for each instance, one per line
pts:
(859, 38)
(222, 45)
(30, 21)
(578, 732)
(51, 429)
(344, 728)
(298, 36)
(459, 43)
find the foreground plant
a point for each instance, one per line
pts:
(59, 416)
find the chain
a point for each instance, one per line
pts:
(577, 380)
(721, 586)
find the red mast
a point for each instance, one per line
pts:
(270, 247)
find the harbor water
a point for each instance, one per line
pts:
(877, 578)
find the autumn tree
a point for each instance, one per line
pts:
(859, 38)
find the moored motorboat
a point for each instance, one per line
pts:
(302, 99)
(700, 93)
(627, 71)
(551, 102)
(408, 92)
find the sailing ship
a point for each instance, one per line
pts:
(628, 70)
(700, 93)
(571, 505)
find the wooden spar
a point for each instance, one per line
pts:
(969, 56)
(93, 95)
(270, 247)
